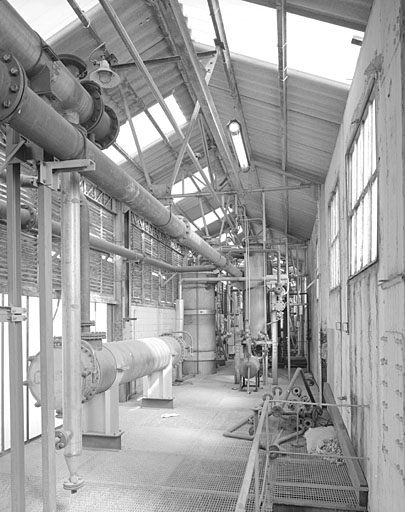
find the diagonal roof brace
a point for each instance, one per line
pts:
(180, 34)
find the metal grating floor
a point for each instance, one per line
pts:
(300, 480)
(182, 463)
(176, 464)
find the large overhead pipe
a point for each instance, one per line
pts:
(64, 91)
(27, 113)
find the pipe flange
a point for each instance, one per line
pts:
(109, 139)
(75, 65)
(13, 86)
(188, 229)
(95, 92)
(182, 344)
(91, 375)
(33, 216)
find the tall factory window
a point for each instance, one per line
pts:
(334, 244)
(363, 193)
(150, 285)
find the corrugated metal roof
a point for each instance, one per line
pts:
(315, 109)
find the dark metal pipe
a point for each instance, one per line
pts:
(37, 121)
(36, 56)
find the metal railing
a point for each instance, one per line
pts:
(253, 469)
(265, 450)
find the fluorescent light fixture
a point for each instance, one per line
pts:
(235, 130)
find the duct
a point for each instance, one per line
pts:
(36, 120)
(117, 362)
(66, 94)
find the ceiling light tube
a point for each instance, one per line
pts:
(235, 131)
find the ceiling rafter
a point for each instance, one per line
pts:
(345, 13)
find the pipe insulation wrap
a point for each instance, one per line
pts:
(117, 362)
(135, 359)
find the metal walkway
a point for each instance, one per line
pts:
(175, 464)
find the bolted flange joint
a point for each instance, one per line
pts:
(110, 138)
(12, 85)
(98, 105)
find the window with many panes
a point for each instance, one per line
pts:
(363, 193)
(334, 245)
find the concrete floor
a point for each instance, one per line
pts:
(178, 464)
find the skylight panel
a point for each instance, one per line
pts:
(187, 185)
(145, 131)
(313, 46)
(210, 217)
(58, 14)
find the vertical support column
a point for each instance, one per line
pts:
(288, 311)
(71, 319)
(15, 332)
(46, 338)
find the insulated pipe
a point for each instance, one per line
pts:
(84, 263)
(37, 121)
(71, 347)
(35, 56)
(136, 358)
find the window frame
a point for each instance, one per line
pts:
(334, 239)
(363, 189)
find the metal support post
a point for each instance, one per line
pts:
(46, 338)
(15, 332)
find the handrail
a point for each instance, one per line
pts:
(252, 466)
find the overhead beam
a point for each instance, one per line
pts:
(181, 37)
(282, 79)
(345, 13)
(221, 43)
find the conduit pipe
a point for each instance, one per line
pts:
(40, 123)
(36, 56)
(29, 220)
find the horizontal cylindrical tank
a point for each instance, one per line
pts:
(115, 362)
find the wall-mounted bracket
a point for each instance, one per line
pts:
(49, 171)
(12, 314)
